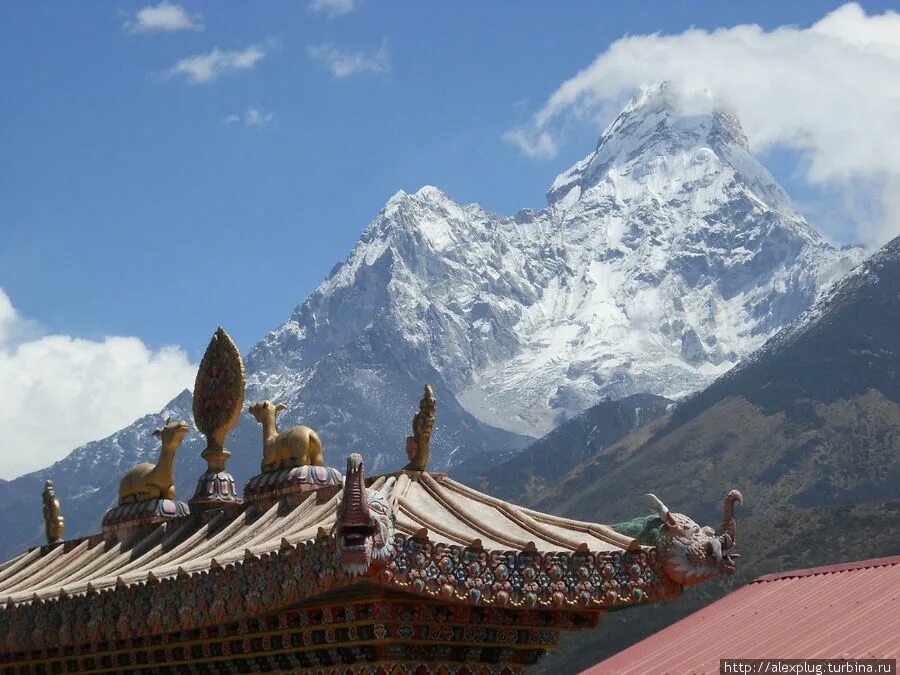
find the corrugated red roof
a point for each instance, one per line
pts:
(839, 611)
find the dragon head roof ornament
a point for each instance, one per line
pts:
(364, 527)
(689, 553)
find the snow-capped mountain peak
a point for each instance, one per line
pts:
(663, 257)
(665, 142)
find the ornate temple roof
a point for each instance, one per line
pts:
(447, 545)
(449, 512)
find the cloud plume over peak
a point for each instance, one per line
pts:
(829, 91)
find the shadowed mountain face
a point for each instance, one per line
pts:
(661, 259)
(521, 476)
(808, 428)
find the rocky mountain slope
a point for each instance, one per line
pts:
(520, 476)
(661, 259)
(808, 428)
(678, 254)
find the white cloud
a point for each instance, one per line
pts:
(163, 17)
(207, 67)
(334, 7)
(539, 143)
(257, 118)
(58, 392)
(830, 91)
(346, 62)
(254, 117)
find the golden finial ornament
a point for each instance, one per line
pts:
(418, 445)
(218, 400)
(54, 523)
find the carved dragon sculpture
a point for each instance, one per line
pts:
(365, 520)
(418, 445)
(689, 553)
(297, 446)
(53, 520)
(155, 481)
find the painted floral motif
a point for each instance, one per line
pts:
(143, 513)
(298, 479)
(215, 486)
(313, 629)
(595, 580)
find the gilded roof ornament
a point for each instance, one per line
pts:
(53, 520)
(365, 522)
(146, 482)
(418, 445)
(218, 395)
(218, 400)
(297, 446)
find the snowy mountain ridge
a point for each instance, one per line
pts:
(662, 259)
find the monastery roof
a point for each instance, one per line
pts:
(307, 541)
(833, 612)
(449, 545)
(452, 514)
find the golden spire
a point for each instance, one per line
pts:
(53, 520)
(418, 445)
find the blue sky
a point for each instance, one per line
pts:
(136, 201)
(129, 208)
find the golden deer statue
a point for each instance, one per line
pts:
(297, 446)
(155, 481)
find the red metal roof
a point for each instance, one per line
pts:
(839, 611)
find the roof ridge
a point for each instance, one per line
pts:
(830, 569)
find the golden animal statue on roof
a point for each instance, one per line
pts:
(155, 481)
(53, 520)
(418, 445)
(297, 446)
